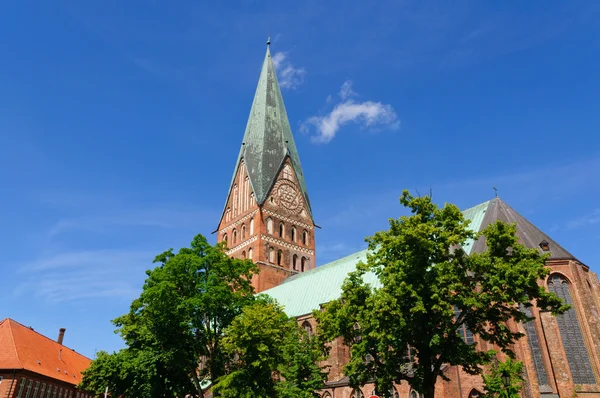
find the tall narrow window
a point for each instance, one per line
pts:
(305, 237)
(36, 389)
(42, 390)
(534, 347)
(308, 329)
(271, 255)
(270, 225)
(243, 231)
(28, 390)
(279, 257)
(250, 253)
(572, 337)
(295, 262)
(244, 254)
(22, 387)
(252, 227)
(234, 237)
(224, 238)
(235, 200)
(463, 331)
(252, 199)
(302, 264)
(281, 230)
(293, 233)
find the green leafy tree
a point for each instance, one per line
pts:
(186, 303)
(430, 292)
(273, 356)
(504, 380)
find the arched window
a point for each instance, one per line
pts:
(252, 226)
(271, 255)
(228, 214)
(577, 354)
(281, 230)
(244, 254)
(463, 331)
(302, 264)
(250, 253)
(307, 328)
(474, 394)
(224, 239)
(295, 262)
(357, 394)
(326, 395)
(305, 237)
(243, 231)
(234, 237)
(252, 199)
(269, 225)
(279, 257)
(293, 233)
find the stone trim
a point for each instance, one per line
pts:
(287, 245)
(287, 219)
(242, 245)
(238, 222)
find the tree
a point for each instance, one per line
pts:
(431, 292)
(273, 356)
(185, 305)
(504, 380)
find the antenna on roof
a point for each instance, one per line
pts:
(495, 190)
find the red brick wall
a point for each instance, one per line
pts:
(262, 241)
(6, 391)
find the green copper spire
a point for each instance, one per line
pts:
(268, 137)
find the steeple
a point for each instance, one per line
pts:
(267, 216)
(268, 137)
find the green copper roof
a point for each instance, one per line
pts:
(305, 292)
(268, 137)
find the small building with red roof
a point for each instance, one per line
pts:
(35, 366)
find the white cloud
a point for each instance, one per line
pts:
(369, 114)
(587, 220)
(78, 275)
(289, 76)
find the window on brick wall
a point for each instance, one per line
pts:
(295, 262)
(28, 388)
(22, 384)
(281, 230)
(270, 225)
(307, 328)
(43, 390)
(279, 257)
(570, 331)
(36, 389)
(243, 231)
(55, 392)
(305, 237)
(303, 263)
(463, 330)
(271, 255)
(534, 346)
(252, 227)
(250, 253)
(293, 233)
(233, 237)
(357, 393)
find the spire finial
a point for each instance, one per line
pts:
(269, 41)
(495, 190)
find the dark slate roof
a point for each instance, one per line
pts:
(528, 234)
(268, 138)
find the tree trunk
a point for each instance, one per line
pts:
(197, 383)
(429, 390)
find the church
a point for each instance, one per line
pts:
(268, 218)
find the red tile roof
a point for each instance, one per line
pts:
(23, 348)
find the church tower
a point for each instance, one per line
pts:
(267, 216)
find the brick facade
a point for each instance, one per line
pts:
(278, 234)
(21, 384)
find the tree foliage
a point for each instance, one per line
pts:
(430, 290)
(273, 356)
(495, 385)
(178, 321)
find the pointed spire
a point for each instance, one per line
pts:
(268, 137)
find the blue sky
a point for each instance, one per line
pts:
(120, 123)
